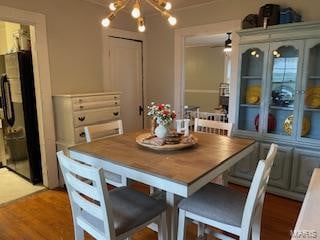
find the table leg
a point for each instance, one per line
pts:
(172, 215)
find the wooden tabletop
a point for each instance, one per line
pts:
(183, 166)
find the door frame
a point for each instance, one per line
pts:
(179, 57)
(129, 35)
(39, 45)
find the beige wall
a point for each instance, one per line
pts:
(204, 71)
(74, 41)
(160, 37)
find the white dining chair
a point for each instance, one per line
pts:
(228, 209)
(215, 127)
(101, 131)
(104, 130)
(105, 215)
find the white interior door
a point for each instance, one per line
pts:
(125, 59)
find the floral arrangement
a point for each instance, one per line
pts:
(162, 112)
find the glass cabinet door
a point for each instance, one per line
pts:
(253, 61)
(310, 122)
(284, 70)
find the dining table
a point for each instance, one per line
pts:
(178, 174)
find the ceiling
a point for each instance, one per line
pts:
(177, 4)
(208, 40)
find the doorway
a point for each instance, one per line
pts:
(125, 58)
(206, 69)
(20, 157)
(203, 31)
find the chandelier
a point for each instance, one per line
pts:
(163, 6)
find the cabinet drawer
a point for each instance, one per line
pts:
(84, 118)
(94, 105)
(280, 172)
(304, 162)
(81, 100)
(79, 135)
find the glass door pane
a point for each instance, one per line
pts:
(250, 89)
(284, 69)
(311, 116)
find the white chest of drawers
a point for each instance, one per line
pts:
(74, 112)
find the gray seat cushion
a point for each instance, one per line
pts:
(217, 203)
(132, 209)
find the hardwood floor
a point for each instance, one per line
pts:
(46, 215)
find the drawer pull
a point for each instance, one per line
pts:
(115, 97)
(80, 100)
(82, 119)
(81, 107)
(116, 103)
(82, 134)
(115, 113)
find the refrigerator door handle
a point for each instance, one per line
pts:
(7, 104)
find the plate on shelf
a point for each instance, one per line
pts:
(271, 123)
(313, 97)
(253, 94)
(283, 96)
(288, 126)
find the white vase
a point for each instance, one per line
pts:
(161, 131)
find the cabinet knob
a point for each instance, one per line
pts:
(82, 134)
(81, 118)
(80, 100)
(115, 113)
(116, 103)
(81, 107)
(115, 97)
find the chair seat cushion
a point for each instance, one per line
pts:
(132, 209)
(217, 203)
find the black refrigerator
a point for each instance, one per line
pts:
(19, 119)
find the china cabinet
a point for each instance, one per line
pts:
(278, 101)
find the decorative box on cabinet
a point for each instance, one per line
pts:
(280, 172)
(304, 162)
(74, 112)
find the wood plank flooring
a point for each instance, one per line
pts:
(47, 216)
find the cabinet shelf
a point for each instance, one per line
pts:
(252, 77)
(312, 109)
(285, 82)
(282, 108)
(314, 77)
(250, 105)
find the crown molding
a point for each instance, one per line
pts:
(185, 8)
(97, 2)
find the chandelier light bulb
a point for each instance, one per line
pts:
(254, 52)
(142, 28)
(172, 20)
(112, 6)
(135, 12)
(168, 6)
(106, 22)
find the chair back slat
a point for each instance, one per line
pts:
(100, 131)
(208, 126)
(87, 199)
(257, 190)
(87, 205)
(82, 187)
